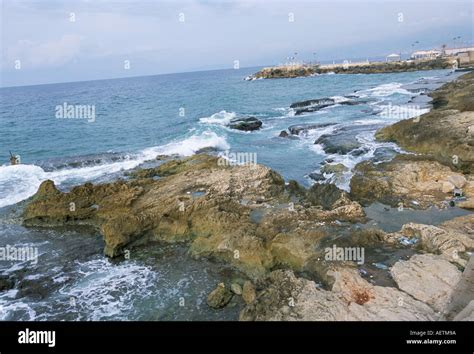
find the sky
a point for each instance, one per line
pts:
(48, 41)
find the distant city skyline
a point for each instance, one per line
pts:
(49, 41)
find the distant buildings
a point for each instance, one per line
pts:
(456, 51)
(393, 57)
(426, 54)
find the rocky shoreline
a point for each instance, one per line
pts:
(293, 71)
(277, 233)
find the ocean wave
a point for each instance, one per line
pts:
(384, 90)
(108, 291)
(191, 145)
(220, 118)
(20, 182)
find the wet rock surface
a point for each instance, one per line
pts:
(344, 140)
(446, 132)
(219, 297)
(413, 181)
(245, 124)
(197, 201)
(286, 297)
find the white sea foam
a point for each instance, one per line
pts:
(107, 291)
(385, 90)
(339, 99)
(189, 146)
(20, 182)
(220, 118)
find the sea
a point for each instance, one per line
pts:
(136, 119)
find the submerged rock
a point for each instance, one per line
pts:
(344, 139)
(317, 104)
(297, 129)
(6, 283)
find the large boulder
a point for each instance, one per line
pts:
(289, 298)
(428, 278)
(410, 180)
(197, 200)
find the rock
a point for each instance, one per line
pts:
(358, 152)
(311, 105)
(288, 298)
(462, 294)
(245, 124)
(292, 71)
(304, 128)
(317, 176)
(296, 252)
(6, 283)
(284, 134)
(219, 297)
(427, 278)
(338, 143)
(236, 288)
(36, 288)
(327, 195)
(404, 179)
(461, 224)
(466, 204)
(450, 244)
(384, 154)
(467, 314)
(216, 224)
(344, 139)
(444, 131)
(334, 168)
(447, 187)
(459, 181)
(248, 292)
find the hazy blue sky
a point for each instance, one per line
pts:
(69, 40)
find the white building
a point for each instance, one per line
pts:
(393, 57)
(426, 54)
(455, 51)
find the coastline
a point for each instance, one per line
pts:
(275, 232)
(299, 70)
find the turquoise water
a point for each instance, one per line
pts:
(138, 118)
